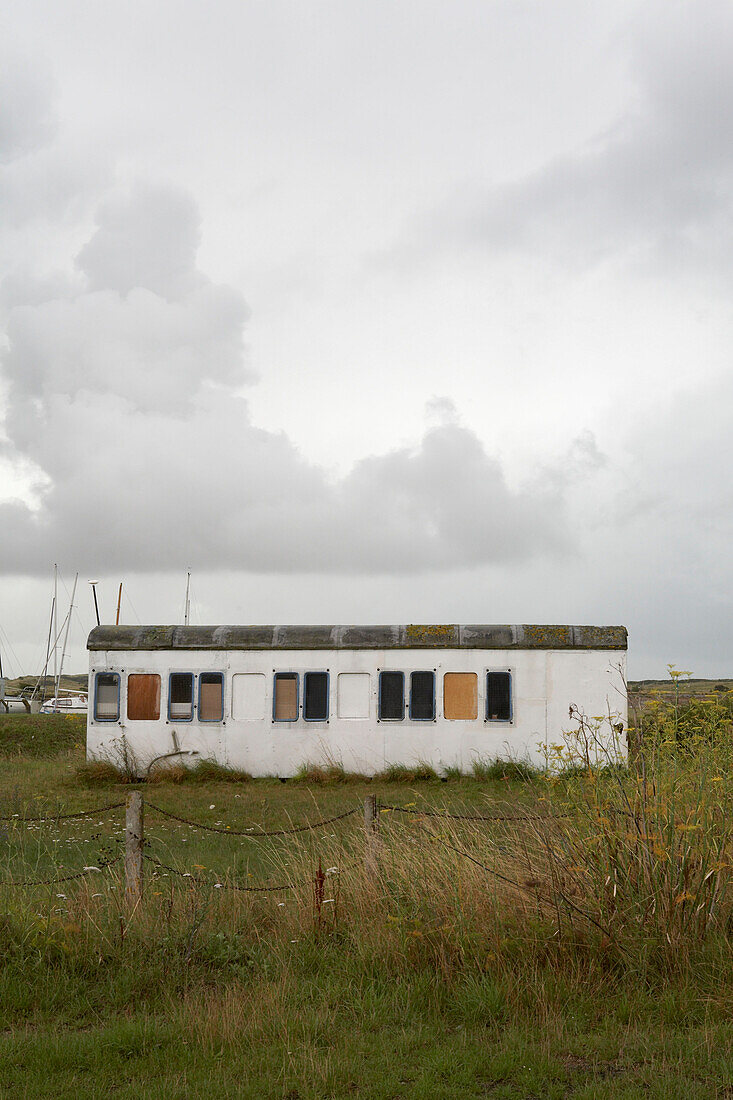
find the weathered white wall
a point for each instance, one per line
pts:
(544, 683)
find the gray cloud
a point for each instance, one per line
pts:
(125, 395)
(146, 240)
(655, 187)
(28, 119)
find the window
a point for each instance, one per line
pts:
(211, 697)
(315, 696)
(107, 697)
(248, 696)
(391, 696)
(422, 696)
(498, 696)
(285, 697)
(354, 689)
(143, 697)
(460, 696)
(180, 696)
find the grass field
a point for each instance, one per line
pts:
(586, 955)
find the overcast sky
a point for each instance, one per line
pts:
(369, 312)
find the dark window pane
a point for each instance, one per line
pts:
(211, 697)
(180, 696)
(285, 707)
(422, 696)
(392, 695)
(315, 696)
(499, 696)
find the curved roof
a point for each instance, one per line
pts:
(412, 636)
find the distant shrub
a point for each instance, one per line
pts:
(686, 722)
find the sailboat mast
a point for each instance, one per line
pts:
(48, 650)
(66, 635)
(187, 607)
(55, 616)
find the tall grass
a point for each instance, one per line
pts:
(624, 868)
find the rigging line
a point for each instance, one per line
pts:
(75, 609)
(126, 596)
(9, 647)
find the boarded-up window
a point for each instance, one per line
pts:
(391, 696)
(422, 696)
(248, 696)
(315, 696)
(460, 695)
(354, 689)
(211, 697)
(499, 696)
(107, 697)
(180, 696)
(143, 697)
(285, 702)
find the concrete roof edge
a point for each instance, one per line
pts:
(411, 636)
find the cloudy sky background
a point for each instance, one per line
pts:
(369, 312)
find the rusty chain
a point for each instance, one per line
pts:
(245, 833)
(50, 817)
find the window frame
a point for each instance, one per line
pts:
(239, 718)
(369, 695)
(318, 672)
(210, 721)
(283, 674)
(457, 672)
(159, 678)
(499, 721)
(192, 676)
(390, 672)
(118, 677)
(432, 672)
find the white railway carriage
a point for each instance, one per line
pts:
(268, 699)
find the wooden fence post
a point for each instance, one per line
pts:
(134, 838)
(371, 834)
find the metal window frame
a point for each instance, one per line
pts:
(193, 696)
(434, 717)
(118, 677)
(318, 672)
(282, 673)
(391, 672)
(210, 721)
(499, 721)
